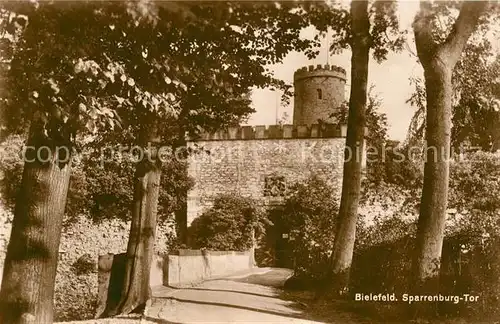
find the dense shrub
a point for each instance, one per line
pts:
(471, 251)
(101, 190)
(383, 267)
(84, 265)
(382, 256)
(97, 211)
(11, 168)
(473, 231)
(110, 188)
(475, 196)
(228, 225)
(310, 211)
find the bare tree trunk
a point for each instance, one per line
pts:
(253, 263)
(181, 223)
(136, 290)
(27, 291)
(181, 226)
(438, 61)
(435, 188)
(351, 183)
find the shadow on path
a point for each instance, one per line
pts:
(263, 311)
(159, 320)
(276, 294)
(249, 298)
(274, 278)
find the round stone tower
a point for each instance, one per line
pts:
(318, 92)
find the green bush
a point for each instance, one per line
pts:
(101, 191)
(228, 225)
(475, 196)
(11, 168)
(84, 265)
(382, 256)
(310, 211)
(473, 230)
(110, 187)
(470, 260)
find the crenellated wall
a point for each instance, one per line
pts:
(320, 70)
(275, 132)
(245, 167)
(247, 160)
(242, 160)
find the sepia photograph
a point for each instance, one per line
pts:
(315, 162)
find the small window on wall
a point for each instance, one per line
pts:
(274, 186)
(320, 94)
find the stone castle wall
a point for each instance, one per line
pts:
(274, 132)
(76, 293)
(248, 166)
(309, 105)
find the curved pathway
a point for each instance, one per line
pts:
(252, 297)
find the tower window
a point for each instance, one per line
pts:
(320, 94)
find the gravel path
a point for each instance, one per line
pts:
(135, 319)
(249, 298)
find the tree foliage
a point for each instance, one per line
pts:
(476, 90)
(125, 60)
(83, 68)
(99, 189)
(310, 211)
(385, 32)
(475, 195)
(228, 225)
(376, 139)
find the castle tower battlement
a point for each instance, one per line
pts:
(319, 91)
(320, 70)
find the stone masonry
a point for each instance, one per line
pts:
(256, 166)
(262, 161)
(318, 92)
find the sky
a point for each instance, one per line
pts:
(391, 79)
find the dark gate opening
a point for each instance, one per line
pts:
(279, 238)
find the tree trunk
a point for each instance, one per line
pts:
(136, 291)
(27, 291)
(181, 224)
(351, 183)
(253, 263)
(438, 61)
(181, 227)
(434, 199)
